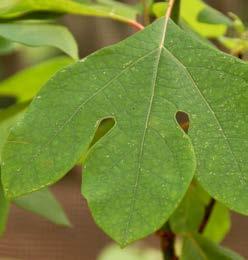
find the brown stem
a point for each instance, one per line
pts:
(169, 9)
(167, 240)
(146, 15)
(136, 25)
(240, 55)
(207, 215)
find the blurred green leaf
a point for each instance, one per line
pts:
(218, 224)
(4, 210)
(238, 24)
(197, 247)
(6, 47)
(159, 9)
(235, 45)
(188, 216)
(114, 252)
(210, 15)
(25, 84)
(39, 34)
(118, 11)
(202, 18)
(44, 203)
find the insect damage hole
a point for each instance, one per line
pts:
(104, 127)
(183, 120)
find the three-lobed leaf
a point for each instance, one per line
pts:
(136, 175)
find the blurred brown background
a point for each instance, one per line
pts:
(31, 238)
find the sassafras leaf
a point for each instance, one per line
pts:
(136, 175)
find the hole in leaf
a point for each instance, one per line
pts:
(104, 127)
(183, 120)
(7, 101)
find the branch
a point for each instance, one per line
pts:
(173, 10)
(207, 215)
(136, 25)
(146, 15)
(167, 240)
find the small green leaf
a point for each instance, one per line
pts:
(197, 247)
(44, 203)
(118, 11)
(188, 216)
(192, 10)
(218, 224)
(136, 175)
(24, 85)
(210, 15)
(39, 34)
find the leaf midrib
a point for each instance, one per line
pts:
(148, 115)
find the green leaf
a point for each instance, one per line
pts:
(202, 18)
(127, 149)
(136, 175)
(44, 203)
(6, 47)
(159, 9)
(238, 24)
(210, 15)
(117, 11)
(188, 216)
(4, 210)
(235, 45)
(39, 34)
(218, 224)
(7, 118)
(31, 79)
(114, 252)
(197, 247)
